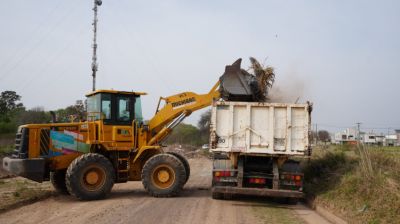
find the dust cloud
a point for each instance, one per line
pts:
(288, 90)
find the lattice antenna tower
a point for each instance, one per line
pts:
(94, 46)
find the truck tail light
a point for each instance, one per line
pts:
(225, 173)
(257, 181)
(291, 177)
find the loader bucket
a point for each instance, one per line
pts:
(237, 84)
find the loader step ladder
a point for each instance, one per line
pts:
(123, 166)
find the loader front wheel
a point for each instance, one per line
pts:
(90, 177)
(184, 162)
(163, 175)
(57, 179)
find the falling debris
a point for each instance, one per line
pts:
(236, 84)
(265, 77)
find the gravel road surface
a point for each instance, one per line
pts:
(129, 203)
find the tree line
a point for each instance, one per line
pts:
(13, 113)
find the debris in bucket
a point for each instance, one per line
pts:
(236, 84)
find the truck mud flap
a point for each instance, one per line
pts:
(258, 192)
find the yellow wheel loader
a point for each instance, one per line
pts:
(114, 144)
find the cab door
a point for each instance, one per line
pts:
(117, 115)
(124, 115)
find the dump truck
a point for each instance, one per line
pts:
(255, 146)
(114, 144)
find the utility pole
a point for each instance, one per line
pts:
(94, 46)
(358, 132)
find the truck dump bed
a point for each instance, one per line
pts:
(261, 128)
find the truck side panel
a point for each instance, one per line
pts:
(281, 129)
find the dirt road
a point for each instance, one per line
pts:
(129, 203)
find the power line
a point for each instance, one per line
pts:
(37, 44)
(151, 60)
(33, 33)
(50, 60)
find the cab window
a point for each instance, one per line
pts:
(93, 107)
(138, 110)
(124, 109)
(106, 106)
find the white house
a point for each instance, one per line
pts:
(369, 138)
(390, 140)
(348, 135)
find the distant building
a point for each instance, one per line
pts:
(398, 137)
(347, 136)
(350, 135)
(379, 140)
(390, 140)
(369, 138)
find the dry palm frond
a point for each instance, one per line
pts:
(264, 75)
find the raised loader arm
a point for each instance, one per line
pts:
(175, 109)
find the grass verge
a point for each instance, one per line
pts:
(18, 191)
(6, 149)
(360, 184)
(271, 213)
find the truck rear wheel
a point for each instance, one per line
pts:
(163, 175)
(292, 201)
(184, 162)
(217, 195)
(57, 179)
(90, 176)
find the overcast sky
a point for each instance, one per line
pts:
(344, 56)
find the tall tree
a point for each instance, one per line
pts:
(9, 105)
(184, 134)
(36, 115)
(74, 112)
(204, 126)
(324, 136)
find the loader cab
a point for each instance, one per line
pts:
(114, 107)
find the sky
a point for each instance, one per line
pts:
(344, 56)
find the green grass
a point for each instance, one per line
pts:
(271, 213)
(6, 143)
(340, 180)
(14, 191)
(6, 149)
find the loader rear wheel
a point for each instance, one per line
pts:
(90, 177)
(184, 162)
(163, 175)
(57, 179)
